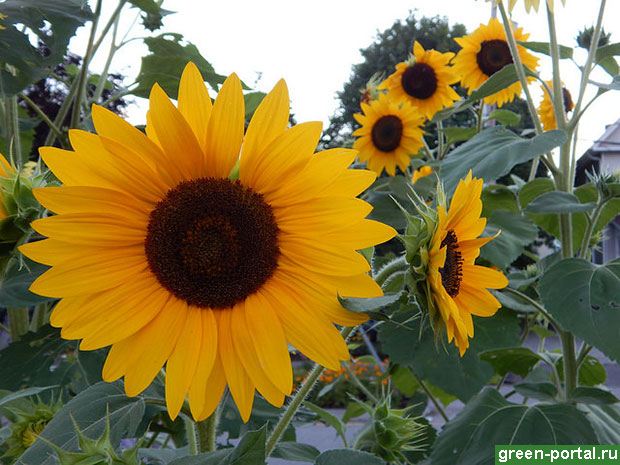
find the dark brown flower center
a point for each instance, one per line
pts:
(212, 242)
(387, 132)
(452, 271)
(493, 56)
(419, 81)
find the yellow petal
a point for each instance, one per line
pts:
(194, 102)
(183, 361)
(216, 385)
(200, 386)
(481, 276)
(268, 122)
(225, 129)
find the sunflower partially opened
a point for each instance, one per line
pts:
(204, 249)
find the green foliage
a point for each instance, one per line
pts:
(153, 13)
(558, 202)
(90, 411)
(295, 451)
(347, 457)
(22, 63)
(18, 278)
(583, 297)
(543, 47)
(493, 152)
(442, 366)
(515, 232)
(165, 63)
(489, 419)
(518, 360)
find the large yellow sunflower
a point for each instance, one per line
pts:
(156, 252)
(458, 287)
(483, 53)
(5, 171)
(390, 132)
(545, 109)
(424, 81)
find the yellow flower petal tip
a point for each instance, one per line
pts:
(156, 253)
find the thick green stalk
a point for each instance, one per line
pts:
(570, 362)
(190, 427)
(297, 400)
(18, 322)
(207, 430)
(12, 129)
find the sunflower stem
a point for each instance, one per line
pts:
(297, 400)
(12, 130)
(359, 384)
(41, 114)
(191, 427)
(18, 322)
(433, 399)
(207, 430)
(570, 363)
(535, 304)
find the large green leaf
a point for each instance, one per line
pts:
(543, 47)
(605, 419)
(519, 360)
(517, 231)
(90, 410)
(442, 366)
(35, 360)
(493, 152)
(165, 64)
(53, 22)
(558, 202)
(14, 288)
(498, 197)
(489, 419)
(295, 451)
(360, 305)
(23, 393)
(585, 299)
(249, 451)
(347, 457)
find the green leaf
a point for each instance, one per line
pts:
(457, 134)
(505, 117)
(592, 372)
(610, 65)
(517, 231)
(252, 101)
(497, 197)
(543, 47)
(53, 23)
(514, 302)
(607, 51)
(24, 393)
(592, 395)
(490, 419)
(439, 363)
(347, 457)
(361, 305)
(518, 360)
(493, 152)
(14, 288)
(584, 298)
(165, 64)
(295, 451)
(605, 420)
(152, 19)
(89, 410)
(35, 360)
(329, 419)
(541, 391)
(558, 202)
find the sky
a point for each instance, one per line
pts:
(312, 45)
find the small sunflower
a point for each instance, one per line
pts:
(458, 287)
(390, 132)
(424, 81)
(421, 172)
(5, 171)
(157, 252)
(545, 109)
(484, 52)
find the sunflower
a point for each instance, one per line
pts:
(424, 81)
(458, 287)
(545, 109)
(5, 171)
(157, 252)
(421, 172)
(485, 52)
(390, 132)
